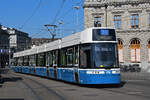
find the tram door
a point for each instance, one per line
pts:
(76, 61)
(55, 61)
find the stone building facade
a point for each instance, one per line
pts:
(131, 19)
(19, 40)
(12, 40)
(4, 47)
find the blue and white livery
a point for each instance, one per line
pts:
(87, 57)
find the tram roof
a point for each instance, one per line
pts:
(74, 39)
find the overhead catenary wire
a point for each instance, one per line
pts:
(68, 11)
(73, 5)
(52, 25)
(30, 17)
(57, 18)
(58, 12)
(65, 14)
(127, 18)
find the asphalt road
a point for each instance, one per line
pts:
(25, 87)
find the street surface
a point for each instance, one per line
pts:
(18, 86)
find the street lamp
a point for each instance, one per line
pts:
(61, 29)
(77, 22)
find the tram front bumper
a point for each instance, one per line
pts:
(99, 77)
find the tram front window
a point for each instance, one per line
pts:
(98, 56)
(105, 55)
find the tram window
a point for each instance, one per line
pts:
(41, 59)
(20, 61)
(26, 61)
(63, 57)
(70, 57)
(55, 54)
(98, 55)
(15, 61)
(49, 59)
(76, 56)
(32, 60)
(85, 56)
(105, 55)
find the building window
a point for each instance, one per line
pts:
(135, 49)
(97, 21)
(117, 21)
(120, 50)
(135, 21)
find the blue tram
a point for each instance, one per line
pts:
(87, 57)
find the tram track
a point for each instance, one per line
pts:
(129, 89)
(51, 93)
(32, 91)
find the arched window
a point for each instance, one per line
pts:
(120, 50)
(135, 49)
(149, 51)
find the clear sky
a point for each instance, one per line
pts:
(30, 16)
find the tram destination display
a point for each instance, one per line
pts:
(104, 35)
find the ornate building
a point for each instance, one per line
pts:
(131, 19)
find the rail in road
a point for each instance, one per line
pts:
(37, 88)
(31, 84)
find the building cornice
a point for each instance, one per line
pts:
(135, 11)
(97, 14)
(133, 30)
(117, 12)
(99, 3)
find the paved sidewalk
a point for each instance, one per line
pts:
(125, 76)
